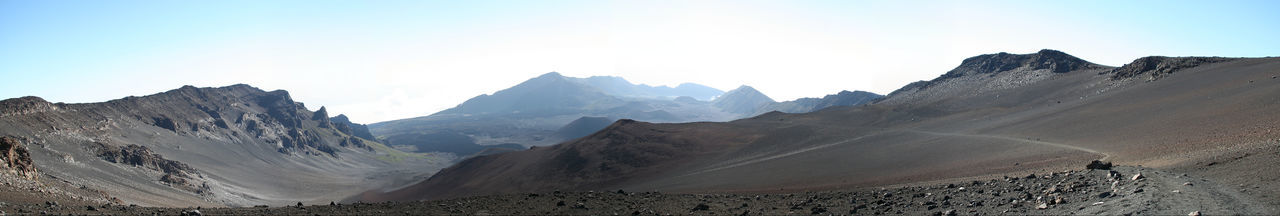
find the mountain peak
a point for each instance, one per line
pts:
(744, 89)
(743, 99)
(340, 118)
(550, 75)
(1053, 60)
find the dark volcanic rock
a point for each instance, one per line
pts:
(140, 156)
(1052, 60)
(322, 116)
(165, 122)
(1160, 66)
(281, 107)
(24, 105)
(16, 158)
(1098, 165)
(177, 173)
(990, 64)
(343, 124)
(355, 142)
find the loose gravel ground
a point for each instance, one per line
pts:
(1111, 192)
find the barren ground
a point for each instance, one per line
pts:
(1083, 191)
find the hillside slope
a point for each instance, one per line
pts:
(995, 114)
(234, 145)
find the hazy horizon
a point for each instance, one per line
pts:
(386, 60)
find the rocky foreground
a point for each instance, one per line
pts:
(1119, 190)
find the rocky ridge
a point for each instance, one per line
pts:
(992, 64)
(198, 146)
(988, 73)
(1046, 59)
(1156, 67)
(343, 124)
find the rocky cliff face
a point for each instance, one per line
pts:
(176, 174)
(232, 145)
(272, 117)
(342, 123)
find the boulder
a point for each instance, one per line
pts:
(1099, 165)
(14, 158)
(701, 207)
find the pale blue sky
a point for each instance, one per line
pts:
(384, 60)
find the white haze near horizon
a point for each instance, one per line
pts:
(384, 60)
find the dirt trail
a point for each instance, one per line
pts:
(1163, 193)
(1105, 156)
(767, 157)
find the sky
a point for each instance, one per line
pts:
(385, 60)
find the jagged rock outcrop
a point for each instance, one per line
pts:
(24, 105)
(343, 124)
(282, 108)
(1052, 60)
(16, 159)
(1160, 66)
(991, 72)
(1046, 59)
(355, 142)
(175, 173)
(322, 116)
(305, 139)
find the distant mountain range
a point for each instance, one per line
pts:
(993, 114)
(543, 111)
(618, 86)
